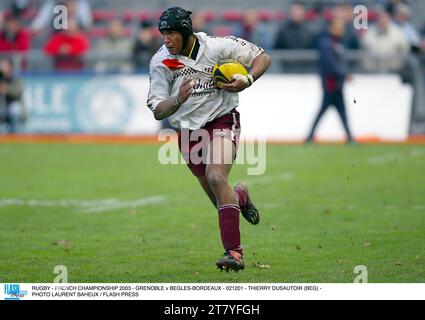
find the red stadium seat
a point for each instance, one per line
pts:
(29, 14)
(155, 15)
(104, 15)
(222, 31)
(311, 15)
(7, 13)
(265, 15)
(140, 15)
(208, 15)
(232, 15)
(279, 15)
(98, 32)
(328, 14)
(372, 15)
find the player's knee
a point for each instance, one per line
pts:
(215, 178)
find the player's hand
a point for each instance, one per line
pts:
(238, 84)
(186, 89)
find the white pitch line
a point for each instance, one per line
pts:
(350, 207)
(88, 206)
(385, 158)
(417, 152)
(272, 206)
(269, 179)
(55, 203)
(127, 204)
(390, 157)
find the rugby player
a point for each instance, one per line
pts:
(182, 89)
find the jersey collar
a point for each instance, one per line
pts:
(196, 51)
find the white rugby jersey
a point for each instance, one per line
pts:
(206, 102)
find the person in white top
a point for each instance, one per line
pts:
(387, 47)
(182, 89)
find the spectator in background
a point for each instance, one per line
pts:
(333, 72)
(422, 44)
(402, 14)
(13, 37)
(117, 47)
(345, 11)
(199, 23)
(295, 34)
(254, 30)
(390, 5)
(78, 10)
(68, 48)
(145, 46)
(18, 7)
(386, 45)
(12, 109)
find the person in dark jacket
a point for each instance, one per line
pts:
(295, 34)
(12, 108)
(145, 46)
(333, 72)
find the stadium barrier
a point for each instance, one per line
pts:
(284, 61)
(281, 107)
(90, 101)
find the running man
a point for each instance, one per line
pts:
(182, 90)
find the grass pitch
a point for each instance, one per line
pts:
(112, 213)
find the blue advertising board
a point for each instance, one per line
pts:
(77, 104)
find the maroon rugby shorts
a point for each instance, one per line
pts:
(194, 151)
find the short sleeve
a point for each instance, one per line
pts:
(239, 49)
(159, 85)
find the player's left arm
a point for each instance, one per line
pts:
(259, 66)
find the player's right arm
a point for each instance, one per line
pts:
(161, 100)
(169, 106)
